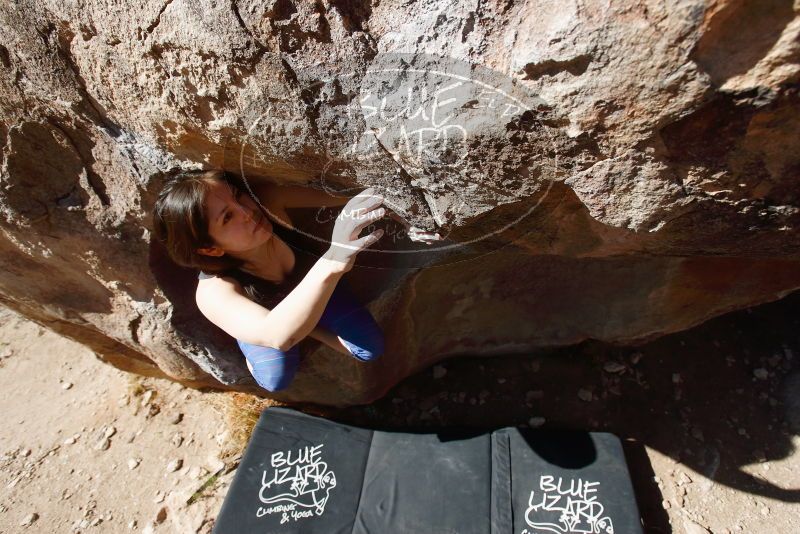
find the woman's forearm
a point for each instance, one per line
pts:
(297, 314)
(329, 338)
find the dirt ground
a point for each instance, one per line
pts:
(710, 419)
(88, 448)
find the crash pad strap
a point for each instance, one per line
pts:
(502, 512)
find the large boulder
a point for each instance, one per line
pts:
(607, 170)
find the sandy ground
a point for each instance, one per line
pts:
(710, 419)
(88, 448)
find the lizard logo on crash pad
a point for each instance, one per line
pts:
(297, 485)
(566, 506)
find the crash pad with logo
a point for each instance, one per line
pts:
(305, 474)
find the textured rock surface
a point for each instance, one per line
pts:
(648, 179)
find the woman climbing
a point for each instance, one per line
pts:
(256, 287)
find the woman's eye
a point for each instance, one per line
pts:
(226, 218)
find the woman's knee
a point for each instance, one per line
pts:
(353, 324)
(367, 346)
(271, 368)
(274, 381)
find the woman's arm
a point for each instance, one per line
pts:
(221, 293)
(294, 317)
(224, 303)
(329, 338)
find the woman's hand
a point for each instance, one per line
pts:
(362, 210)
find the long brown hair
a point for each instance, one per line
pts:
(180, 222)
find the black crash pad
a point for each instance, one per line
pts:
(304, 474)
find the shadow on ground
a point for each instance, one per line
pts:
(715, 398)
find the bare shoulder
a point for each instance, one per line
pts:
(211, 290)
(222, 301)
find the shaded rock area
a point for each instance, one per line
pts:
(614, 171)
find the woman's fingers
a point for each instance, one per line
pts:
(360, 211)
(366, 199)
(367, 240)
(363, 195)
(352, 222)
(368, 218)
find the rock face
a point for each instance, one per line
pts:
(609, 170)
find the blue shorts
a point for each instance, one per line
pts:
(274, 369)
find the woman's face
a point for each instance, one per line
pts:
(234, 221)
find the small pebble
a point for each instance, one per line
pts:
(585, 395)
(439, 371)
(29, 519)
(761, 373)
(66, 385)
(194, 472)
(174, 465)
(690, 527)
